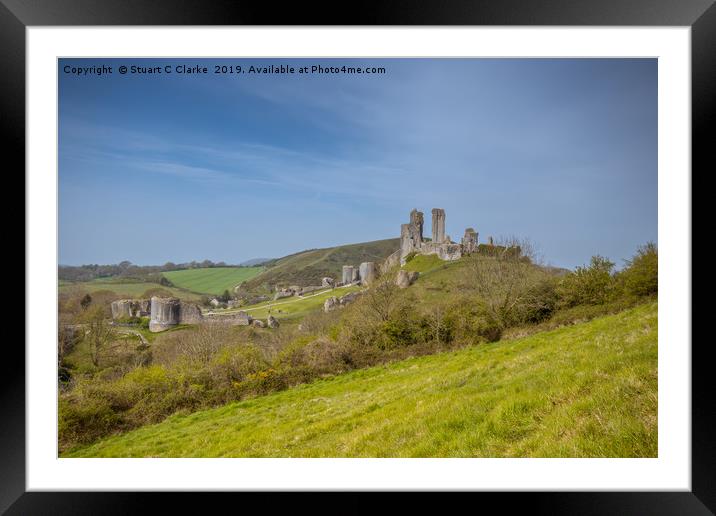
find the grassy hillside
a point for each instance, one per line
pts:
(295, 307)
(125, 288)
(212, 280)
(308, 267)
(588, 390)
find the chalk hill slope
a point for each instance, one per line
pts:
(308, 267)
(588, 390)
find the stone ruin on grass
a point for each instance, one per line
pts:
(167, 312)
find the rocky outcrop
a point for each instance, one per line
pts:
(339, 302)
(328, 282)
(406, 278)
(272, 322)
(258, 323)
(348, 298)
(330, 304)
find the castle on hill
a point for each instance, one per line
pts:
(412, 240)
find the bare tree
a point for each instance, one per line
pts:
(435, 316)
(382, 299)
(98, 331)
(504, 278)
(204, 342)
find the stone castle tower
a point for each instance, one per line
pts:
(411, 238)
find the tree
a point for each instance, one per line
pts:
(588, 285)
(381, 300)
(641, 276)
(98, 331)
(437, 322)
(505, 280)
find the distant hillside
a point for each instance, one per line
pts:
(255, 261)
(214, 280)
(308, 267)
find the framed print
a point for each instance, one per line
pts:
(416, 251)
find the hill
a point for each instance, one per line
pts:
(587, 390)
(213, 280)
(126, 288)
(308, 267)
(255, 261)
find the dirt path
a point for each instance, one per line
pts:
(126, 331)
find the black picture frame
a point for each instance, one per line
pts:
(16, 15)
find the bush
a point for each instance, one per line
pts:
(542, 301)
(641, 276)
(588, 285)
(404, 328)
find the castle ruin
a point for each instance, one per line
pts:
(412, 240)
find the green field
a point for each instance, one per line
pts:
(214, 280)
(131, 289)
(294, 307)
(587, 390)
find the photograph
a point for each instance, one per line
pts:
(357, 257)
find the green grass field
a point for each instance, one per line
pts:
(587, 390)
(131, 289)
(294, 307)
(212, 280)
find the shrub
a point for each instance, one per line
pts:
(641, 276)
(404, 328)
(541, 302)
(588, 285)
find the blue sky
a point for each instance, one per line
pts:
(183, 167)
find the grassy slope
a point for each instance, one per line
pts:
(212, 280)
(308, 267)
(294, 307)
(588, 390)
(133, 289)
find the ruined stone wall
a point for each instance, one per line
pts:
(368, 273)
(391, 261)
(411, 234)
(121, 308)
(469, 241)
(347, 274)
(438, 225)
(189, 313)
(444, 251)
(165, 313)
(125, 308)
